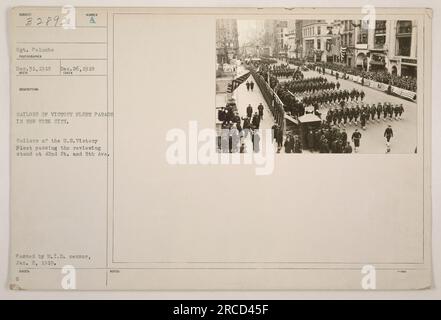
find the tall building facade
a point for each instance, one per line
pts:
(281, 39)
(317, 41)
(227, 40)
(347, 42)
(269, 38)
(291, 40)
(389, 45)
(299, 39)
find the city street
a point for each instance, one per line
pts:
(266, 46)
(373, 141)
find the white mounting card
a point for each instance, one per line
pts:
(138, 164)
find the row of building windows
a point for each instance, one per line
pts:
(312, 31)
(403, 27)
(347, 25)
(348, 37)
(403, 45)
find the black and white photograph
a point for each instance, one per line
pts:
(127, 131)
(321, 86)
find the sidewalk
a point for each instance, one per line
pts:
(244, 97)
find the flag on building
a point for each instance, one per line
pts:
(342, 53)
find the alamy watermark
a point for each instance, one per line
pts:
(69, 280)
(369, 278)
(228, 147)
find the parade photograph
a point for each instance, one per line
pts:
(321, 86)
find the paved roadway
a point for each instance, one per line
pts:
(373, 141)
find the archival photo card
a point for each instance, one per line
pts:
(220, 148)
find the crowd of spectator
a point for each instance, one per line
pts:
(382, 76)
